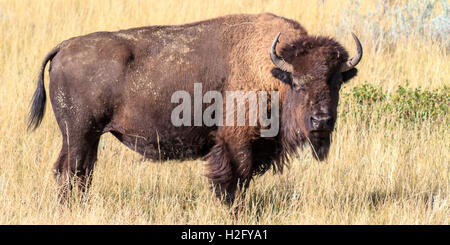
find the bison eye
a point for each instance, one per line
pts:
(298, 88)
(297, 84)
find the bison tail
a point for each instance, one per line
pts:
(39, 98)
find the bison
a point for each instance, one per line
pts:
(122, 82)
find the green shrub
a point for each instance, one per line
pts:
(405, 105)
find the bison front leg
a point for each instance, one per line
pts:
(230, 167)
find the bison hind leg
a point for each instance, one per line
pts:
(75, 164)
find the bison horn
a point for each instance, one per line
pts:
(278, 61)
(355, 60)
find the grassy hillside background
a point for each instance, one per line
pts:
(389, 162)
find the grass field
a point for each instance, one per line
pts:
(382, 168)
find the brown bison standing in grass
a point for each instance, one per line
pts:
(122, 83)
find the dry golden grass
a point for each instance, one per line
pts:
(373, 175)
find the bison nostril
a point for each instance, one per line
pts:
(330, 122)
(319, 122)
(315, 122)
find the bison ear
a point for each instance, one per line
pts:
(281, 75)
(347, 75)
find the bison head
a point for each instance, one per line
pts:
(315, 68)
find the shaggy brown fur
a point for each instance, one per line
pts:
(121, 82)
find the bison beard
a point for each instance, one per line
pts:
(320, 147)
